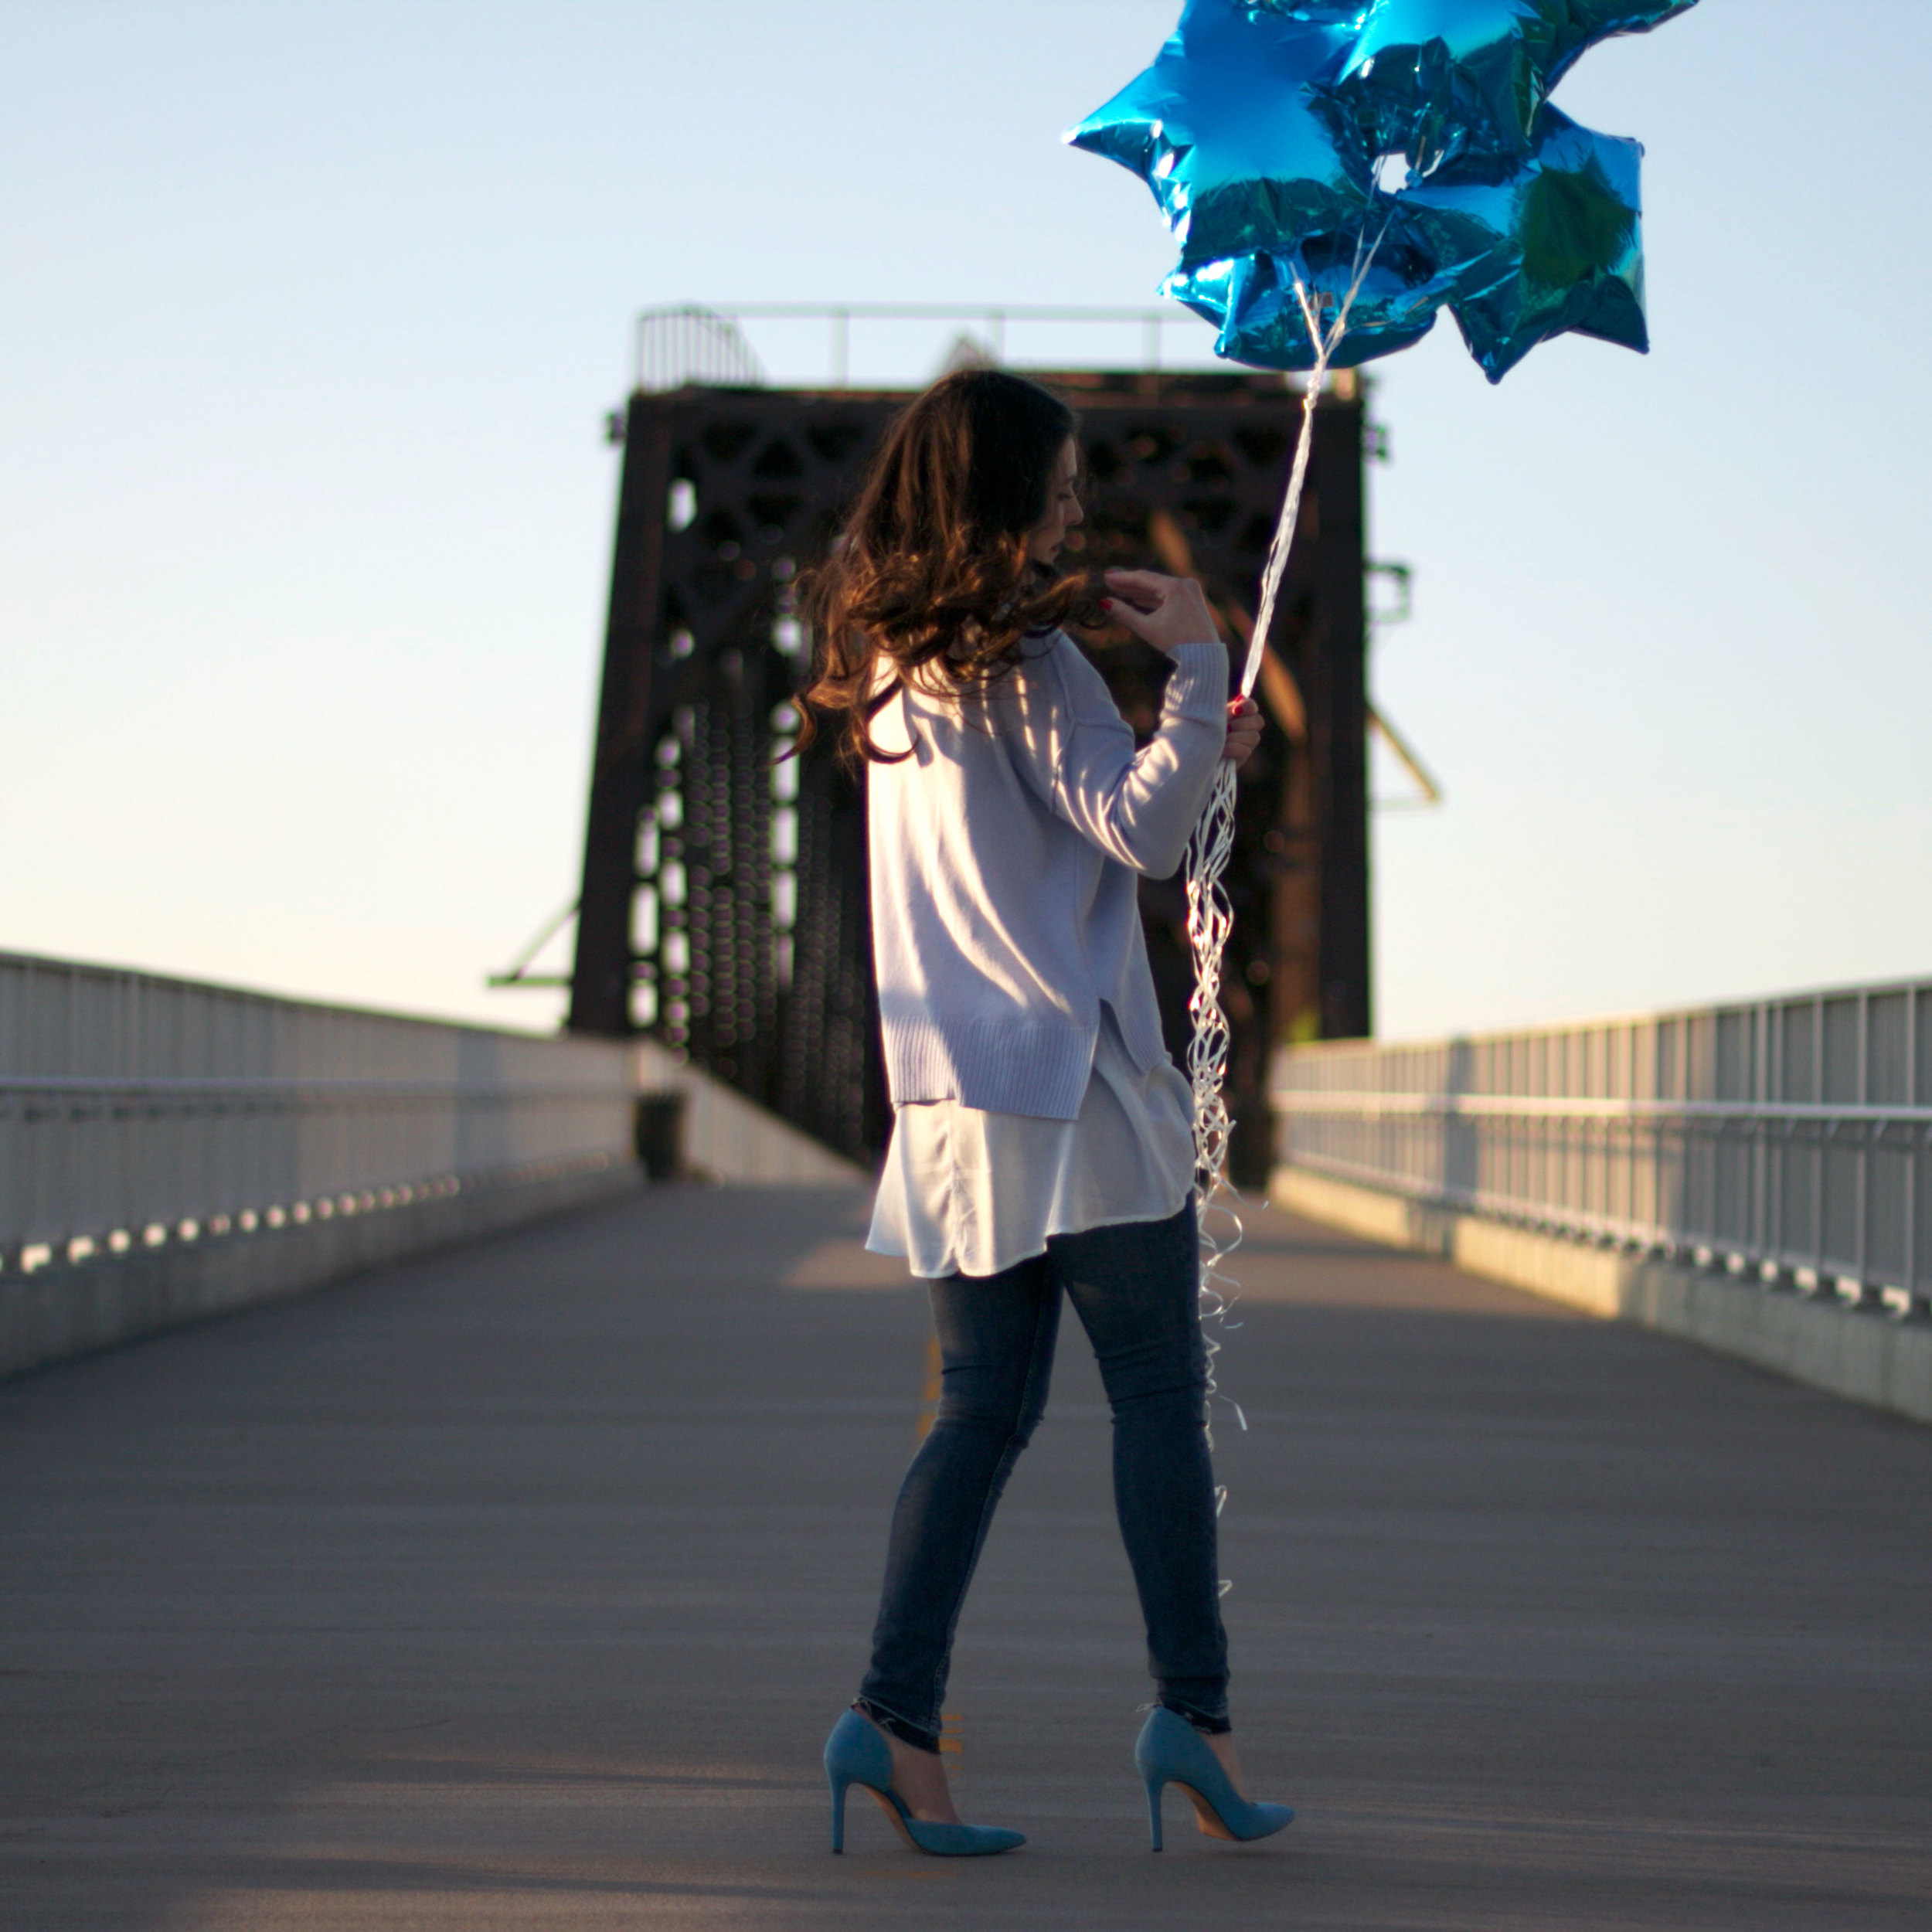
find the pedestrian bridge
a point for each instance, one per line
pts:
(512, 1577)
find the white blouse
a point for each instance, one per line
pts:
(967, 1191)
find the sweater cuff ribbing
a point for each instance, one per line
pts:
(1197, 688)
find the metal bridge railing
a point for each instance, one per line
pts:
(137, 1110)
(1789, 1138)
(690, 343)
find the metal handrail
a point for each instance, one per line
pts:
(840, 316)
(136, 1110)
(1789, 1139)
(1327, 1100)
(271, 1087)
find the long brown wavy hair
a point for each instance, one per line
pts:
(931, 573)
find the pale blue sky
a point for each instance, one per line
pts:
(310, 311)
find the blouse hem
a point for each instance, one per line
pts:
(875, 1246)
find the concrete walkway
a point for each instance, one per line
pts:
(517, 1588)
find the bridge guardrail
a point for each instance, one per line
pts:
(1787, 1139)
(138, 1111)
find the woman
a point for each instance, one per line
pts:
(1042, 1139)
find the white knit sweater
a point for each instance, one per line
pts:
(1003, 856)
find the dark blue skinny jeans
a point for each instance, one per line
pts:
(1135, 1289)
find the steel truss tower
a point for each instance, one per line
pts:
(723, 906)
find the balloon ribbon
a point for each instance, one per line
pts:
(1210, 917)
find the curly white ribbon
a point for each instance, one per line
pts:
(1210, 918)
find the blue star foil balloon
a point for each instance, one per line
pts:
(1434, 79)
(1551, 247)
(1251, 300)
(1267, 131)
(1229, 131)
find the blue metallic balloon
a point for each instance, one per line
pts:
(1252, 300)
(1241, 149)
(1581, 24)
(1552, 246)
(1435, 80)
(1262, 129)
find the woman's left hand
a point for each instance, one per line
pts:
(1244, 731)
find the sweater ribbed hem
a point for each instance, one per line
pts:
(999, 1066)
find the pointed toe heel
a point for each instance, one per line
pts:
(1171, 1751)
(856, 1754)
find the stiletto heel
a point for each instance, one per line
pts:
(1171, 1751)
(856, 1753)
(839, 1786)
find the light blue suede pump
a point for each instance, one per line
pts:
(856, 1753)
(1171, 1751)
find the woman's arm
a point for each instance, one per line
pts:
(1077, 754)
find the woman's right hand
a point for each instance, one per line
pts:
(1165, 612)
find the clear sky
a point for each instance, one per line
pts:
(310, 311)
